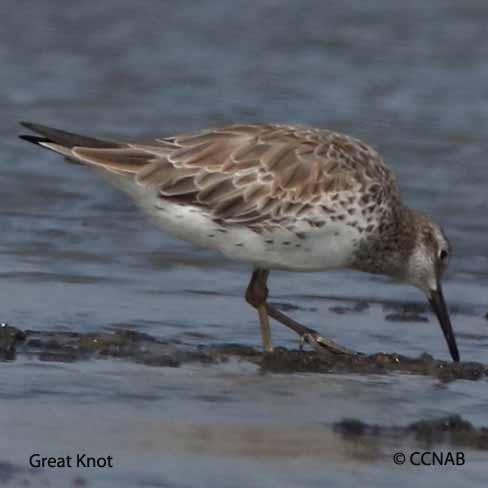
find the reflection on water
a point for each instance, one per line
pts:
(179, 424)
(74, 254)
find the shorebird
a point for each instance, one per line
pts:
(279, 197)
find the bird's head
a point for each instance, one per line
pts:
(424, 267)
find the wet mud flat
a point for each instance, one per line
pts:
(451, 430)
(130, 345)
(349, 443)
(346, 440)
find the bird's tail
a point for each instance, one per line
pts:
(61, 141)
(114, 157)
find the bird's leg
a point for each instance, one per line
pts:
(311, 336)
(256, 295)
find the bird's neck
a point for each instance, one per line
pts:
(388, 250)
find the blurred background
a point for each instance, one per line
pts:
(410, 78)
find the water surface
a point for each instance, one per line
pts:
(410, 78)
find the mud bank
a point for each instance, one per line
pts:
(143, 348)
(452, 430)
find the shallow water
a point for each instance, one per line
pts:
(75, 254)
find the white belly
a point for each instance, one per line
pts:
(308, 249)
(332, 246)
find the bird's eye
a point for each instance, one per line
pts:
(443, 254)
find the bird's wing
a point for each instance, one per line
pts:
(244, 173)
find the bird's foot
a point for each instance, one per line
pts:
(322, 344)
(311, 336)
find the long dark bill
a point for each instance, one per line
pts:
(439, 306)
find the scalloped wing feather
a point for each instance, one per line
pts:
(250, 173)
